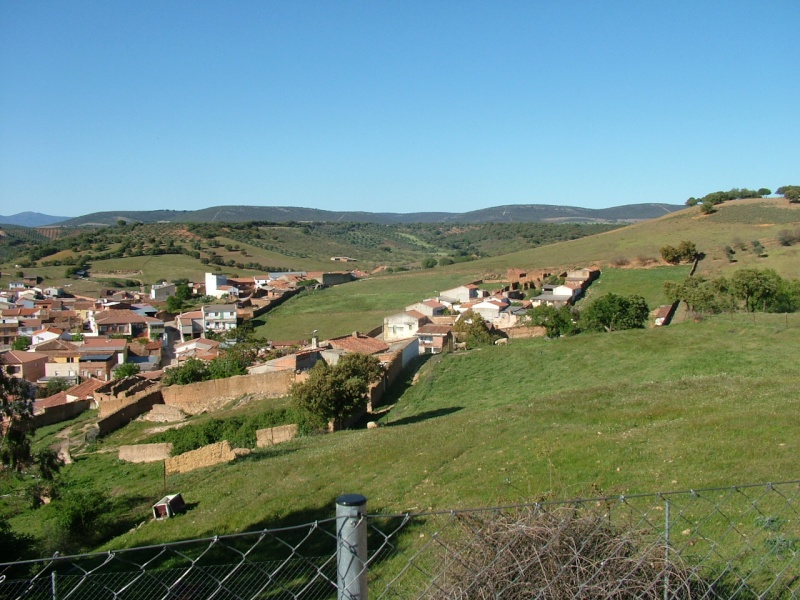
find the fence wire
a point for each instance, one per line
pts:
(738, 542)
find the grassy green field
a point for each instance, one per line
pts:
(648, 283)
(360, 305)
(692, 405)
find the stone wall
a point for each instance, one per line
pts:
(135, 406)
(142, 453)
(111, 404)
(205, 396)
(275, 435)
(117, 389)
(523, 331)
(206, 456)
(62, 412)
(377, 390)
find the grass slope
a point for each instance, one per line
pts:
(692, 405)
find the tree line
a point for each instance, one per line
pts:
(709, 201)
(752, 290)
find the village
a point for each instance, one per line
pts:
(111, 353)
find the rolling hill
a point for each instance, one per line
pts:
(281, 214)
(31, 219)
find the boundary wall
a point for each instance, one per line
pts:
(196, 398)
(143, 453)
(62, 412)
(213, 454)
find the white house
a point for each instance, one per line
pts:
(462, 293)
(213, 281)
(161, 291)
(402, 325)
(219, 317)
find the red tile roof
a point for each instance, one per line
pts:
(50, 401)
(359, 343)
(18, 357)
(86, 389)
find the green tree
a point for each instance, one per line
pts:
(53, 386)
(231, 363)
(471, 328)
(183, 292)
(174, 304)
(429, 263)
(335, 393)
(613, 312)
(790, 192)
(191, 371)
(687, 251)
(23, 342)
(670, 254)
(700, 294)
(556, 321)
(126, 370)
(16, 409)
(755, 288)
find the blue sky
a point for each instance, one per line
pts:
(393, 106)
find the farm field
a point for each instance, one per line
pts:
(692, 405)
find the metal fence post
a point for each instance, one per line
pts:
(351, 547)
(666, 549)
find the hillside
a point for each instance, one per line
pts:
(31, 219)
(281, 214)
(628, 255)
(692, 405)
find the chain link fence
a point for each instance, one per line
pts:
(734, 542)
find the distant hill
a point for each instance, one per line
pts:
(515, 213)
(31, 219)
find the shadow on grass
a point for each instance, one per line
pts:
(424, 416)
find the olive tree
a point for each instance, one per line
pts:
(336, 392)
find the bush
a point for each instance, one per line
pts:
(239, 431)
(555, 553)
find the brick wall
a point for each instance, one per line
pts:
(196, 398)
(206, 456)
(145, 452)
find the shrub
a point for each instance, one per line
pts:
(556, 553)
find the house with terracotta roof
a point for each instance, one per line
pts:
(298, 361)
(435, 339)
(29, 366)
(190, 324)
(200, 348)
(125, 322)
(66, 404)
(430, 307)
(46, 334)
